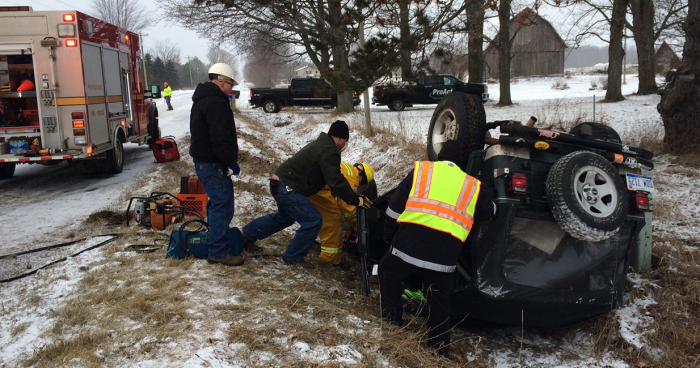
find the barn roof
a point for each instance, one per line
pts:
(528, 15)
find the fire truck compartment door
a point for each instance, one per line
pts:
(94, 88)
(16, 49)
(113, 82)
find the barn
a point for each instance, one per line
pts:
(537, 48)
(665, 59)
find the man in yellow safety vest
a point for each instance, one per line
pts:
(334, 210)
(428, 219)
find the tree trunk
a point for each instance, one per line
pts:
(504, 52)
(406, 43)
(680, 102)
(475, 45)
(643, 28)
(615, 51)
(341, 63)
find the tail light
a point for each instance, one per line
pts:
(251, 93)
(517, 183)
(78, 124)
(376, 90)
(640, 201)
(486, 88)
(89, 151)
(71, 43)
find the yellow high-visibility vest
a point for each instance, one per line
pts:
(443, 197)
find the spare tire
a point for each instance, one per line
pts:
(458, 116)
(587, 196)
(599, 131)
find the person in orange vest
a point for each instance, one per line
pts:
(167, 94)
(334, 210)
(428, 219)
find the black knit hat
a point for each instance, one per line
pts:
(453, 151)
(339, 129)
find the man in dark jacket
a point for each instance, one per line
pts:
(429, 217)
(214, 150)
(304, 174)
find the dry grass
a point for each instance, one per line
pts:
(560, 84)
(561, 115)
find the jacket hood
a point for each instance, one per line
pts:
(206, 90)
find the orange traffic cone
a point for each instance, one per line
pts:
(26, 85)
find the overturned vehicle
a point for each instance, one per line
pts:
(573, 213)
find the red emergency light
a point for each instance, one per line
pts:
(78, 124)
(68, 17)
(126, 38)
(71, 43)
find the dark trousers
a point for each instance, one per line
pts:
(392, 272)
(219, 188)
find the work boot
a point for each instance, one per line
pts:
(249, 246)
(303, 263)
(229, 260)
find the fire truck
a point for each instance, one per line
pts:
(71, 89)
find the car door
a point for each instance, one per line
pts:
(300, 93)
(430, 84)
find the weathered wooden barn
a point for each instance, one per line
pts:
(665, 59)
(537, 48)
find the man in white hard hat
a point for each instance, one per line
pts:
(214, 150)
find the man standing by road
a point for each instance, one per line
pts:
(334, 210)
(430, 215)
(214, 150)
(303, 175)
(167, 93)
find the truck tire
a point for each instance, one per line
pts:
(587, 196)
(397, 104)
(7, 169)
(115, 158)
(153, 128)
(600, 131)
(458, 116)
(271, 106)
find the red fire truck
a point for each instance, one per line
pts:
(71, 88)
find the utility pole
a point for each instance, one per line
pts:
(143, 61)
(189, 66)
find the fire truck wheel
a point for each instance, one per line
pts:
(458, 116)
(115, 158)
(587, 196)
(153, 128)
(271, 106)
(599, 131)
(7, 169)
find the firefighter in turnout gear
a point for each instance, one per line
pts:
(167, 93)
(429, 217)
(334, 210)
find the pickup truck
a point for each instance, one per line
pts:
(431, 91)
(301, 92)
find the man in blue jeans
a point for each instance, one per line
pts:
(214, 150)
(302, 175)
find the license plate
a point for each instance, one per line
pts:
(640, 183)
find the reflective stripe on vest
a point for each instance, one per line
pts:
(443, 198)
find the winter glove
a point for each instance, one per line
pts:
(235, 169)
(362, 201)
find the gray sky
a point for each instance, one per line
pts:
(188, 41)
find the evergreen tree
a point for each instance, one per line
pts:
(171, 74)
(159, 74)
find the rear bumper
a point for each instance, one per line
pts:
(69, 155)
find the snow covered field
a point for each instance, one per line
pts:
(42, 205)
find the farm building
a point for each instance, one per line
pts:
(537, 48)
(307, 71)
(665, 59)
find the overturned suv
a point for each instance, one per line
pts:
(570, 209)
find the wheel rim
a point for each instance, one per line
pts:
(398, 105)
(269, 106)
(444, 129)
(595, 191)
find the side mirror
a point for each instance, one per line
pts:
(155, 91)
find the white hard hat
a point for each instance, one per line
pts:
(223, 70)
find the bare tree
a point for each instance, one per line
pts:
(680, 102)
(615, 51)
(128, 14)
(166, 51)
(475, 29)
(217, 54)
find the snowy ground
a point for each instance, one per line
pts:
(41, 205)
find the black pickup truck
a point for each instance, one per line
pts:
(433, 89)
(301, 92)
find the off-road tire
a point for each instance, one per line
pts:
(458, 116)
(7, 169)
(600, 131)
(397, 104)
(271, 106)
(587, 196)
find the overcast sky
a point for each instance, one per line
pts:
(188, 41)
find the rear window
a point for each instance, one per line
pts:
(541, 255)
